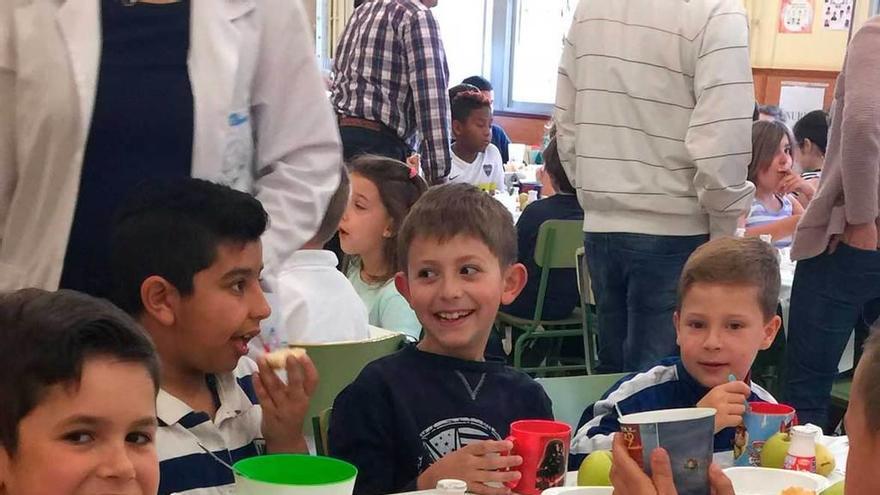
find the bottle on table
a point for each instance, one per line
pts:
(802, 452)
(451, 487)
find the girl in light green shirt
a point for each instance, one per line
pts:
(382, 192)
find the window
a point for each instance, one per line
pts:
(537, 46)
(464, 26)
(516, 44)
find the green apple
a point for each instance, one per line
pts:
(596, 469)
(825, 462)
(835, 489)
(774, 450)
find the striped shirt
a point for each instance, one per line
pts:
(390, 67)
(665, 386)
(183, 434)
(812, 175)
(761, 215)
(654, 115)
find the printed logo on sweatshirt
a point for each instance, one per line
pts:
(449, 435)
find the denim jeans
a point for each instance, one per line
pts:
(634, 279)
(829, 293)
(358, 141)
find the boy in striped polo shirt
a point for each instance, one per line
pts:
(726, 313)
(186, 260)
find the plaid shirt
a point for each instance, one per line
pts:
(390, 67)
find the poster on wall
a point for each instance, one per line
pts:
(796, 16)
(837, 15)
(796, 99)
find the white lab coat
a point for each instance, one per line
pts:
(263, 123)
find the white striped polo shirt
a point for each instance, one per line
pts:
(234, 434)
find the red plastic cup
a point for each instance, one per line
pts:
(543, 446)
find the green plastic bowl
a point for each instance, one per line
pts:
(294, 474)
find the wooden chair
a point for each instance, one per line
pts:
(558, 241)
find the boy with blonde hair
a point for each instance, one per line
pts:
(726, 313)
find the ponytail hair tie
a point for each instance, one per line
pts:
(413, 161)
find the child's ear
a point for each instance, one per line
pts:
(771, 328)
(514, 280)
(456, 128)
(160, 298)
(402, 285)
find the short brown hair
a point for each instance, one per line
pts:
(399, 188)
(335, 210)
(553, 167)
(766, 136)
(48, 337)
(870, 386)
(459, 209)
(735, 261)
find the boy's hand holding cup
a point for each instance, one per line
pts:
(477, 464)
(729, 402)
(285, 405)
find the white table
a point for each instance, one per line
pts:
(570, 480)
(839, 447)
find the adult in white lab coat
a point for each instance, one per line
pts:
(260, 120)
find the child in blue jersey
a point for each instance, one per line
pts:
(728, 293)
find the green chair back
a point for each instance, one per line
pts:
(339, 363)
(321, 425)
(556, 247)
(572, 394)
(558, 241)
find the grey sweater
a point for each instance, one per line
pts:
(848, 191)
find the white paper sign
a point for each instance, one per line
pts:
(798, 99)
(837, 14)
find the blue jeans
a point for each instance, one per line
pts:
(830, 292)
(634, 279)
(358, 141)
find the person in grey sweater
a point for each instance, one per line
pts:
(837, 279)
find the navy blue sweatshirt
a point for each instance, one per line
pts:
(407, 410)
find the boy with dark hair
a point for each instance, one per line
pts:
(499, 137)
(79, 397)
(186, 259)
(562, 290)
(437, 409)
(316, 301)
(475, 160)
(726, 313)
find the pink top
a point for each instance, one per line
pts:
(849, 191)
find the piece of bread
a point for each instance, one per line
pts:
(278, 359)
(796, 490)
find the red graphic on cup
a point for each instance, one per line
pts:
(633, 439)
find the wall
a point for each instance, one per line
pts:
(527, 129)
(820, 50)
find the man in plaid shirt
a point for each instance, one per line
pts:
(389, 84)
